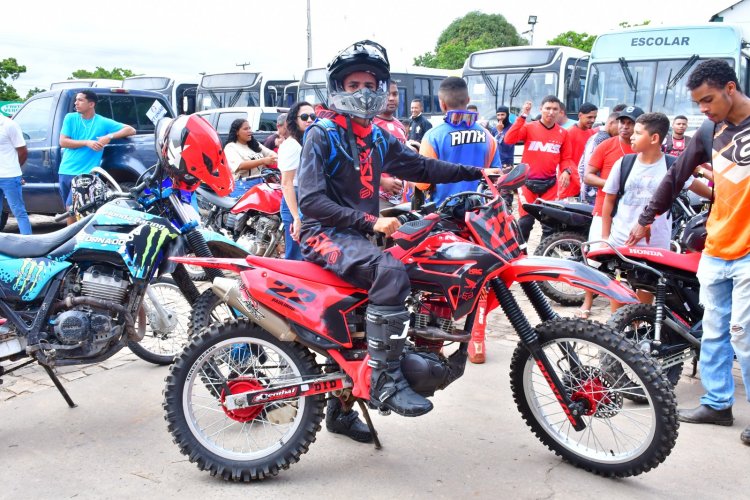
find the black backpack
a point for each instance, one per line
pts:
(626, 166)
(706, 133)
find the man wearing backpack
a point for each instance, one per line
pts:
(724, 270)
(632, 182)
(342, 159)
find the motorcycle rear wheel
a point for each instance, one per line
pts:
(160, 347)
(621, 438)
(636, 322)
(246, 444)
(209, 310)
(564, 245)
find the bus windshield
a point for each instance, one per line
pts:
(314, 95)
(490, 90)
(654, 85)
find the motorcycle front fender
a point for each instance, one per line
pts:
(221, 246)
(570, 272)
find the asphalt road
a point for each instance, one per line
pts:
(473, 444)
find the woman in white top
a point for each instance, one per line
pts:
(246, 156)
(300, 116)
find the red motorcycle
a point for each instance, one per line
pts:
(253, 220)
(245, 399)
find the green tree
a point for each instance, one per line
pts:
(626, 24)
(582, 41)
(475, 31)
(99, 72)
(34, 91)
(9, 68)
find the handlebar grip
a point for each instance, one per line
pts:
(61, 217)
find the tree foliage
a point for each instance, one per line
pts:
(467, 34)
(582, 41)
(626, 24)
(34, 91)
(9, 69)
(99, 72)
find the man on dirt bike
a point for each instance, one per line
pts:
(342, 159)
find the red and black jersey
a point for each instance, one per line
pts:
(334, 194)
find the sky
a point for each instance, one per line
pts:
(183, 39)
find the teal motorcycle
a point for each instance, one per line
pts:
(76, 296)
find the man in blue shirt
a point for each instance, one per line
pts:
(84, 135)
(460, 139)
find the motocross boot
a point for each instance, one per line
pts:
(386, 336)
(347, 423)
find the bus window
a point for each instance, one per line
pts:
(422, 92)
(404, 104)
(435, 99)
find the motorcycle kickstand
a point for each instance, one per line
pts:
(59, 386)
(368, 420)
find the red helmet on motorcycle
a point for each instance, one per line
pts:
(190, 152)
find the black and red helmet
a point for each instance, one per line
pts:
(694, 235)
(190, 152)
(366, 56)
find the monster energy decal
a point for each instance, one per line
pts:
(146, 244)
(26, 278)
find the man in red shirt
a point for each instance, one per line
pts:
(391, 189)
(547, 152)
(582, 130)
(604, 157)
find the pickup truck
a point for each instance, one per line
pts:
(41, 119)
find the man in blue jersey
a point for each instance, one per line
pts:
(460, 139)
(84, 135)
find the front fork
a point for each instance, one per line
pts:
(530, 339)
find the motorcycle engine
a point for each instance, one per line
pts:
(259, 233)
(89, 327)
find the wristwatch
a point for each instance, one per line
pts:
(699, 172)
(567, 170)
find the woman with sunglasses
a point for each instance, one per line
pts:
(300, 116)
(246, 156)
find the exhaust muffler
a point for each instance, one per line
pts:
(229, 291)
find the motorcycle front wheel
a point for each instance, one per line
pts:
(565, 245)
(249, 443)
(621, 438)
(636, 322)
(166, 326)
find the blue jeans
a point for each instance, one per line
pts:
(242, 186)
(725, 295)
(292, 250)
(10, 187)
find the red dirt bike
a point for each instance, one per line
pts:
(253, 220)
(245, 399)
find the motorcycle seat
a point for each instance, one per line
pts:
(225, 202)
(299, 269)
(39, 245)
(682, 261)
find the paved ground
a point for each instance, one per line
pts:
(115, 444)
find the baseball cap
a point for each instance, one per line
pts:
(631, 112)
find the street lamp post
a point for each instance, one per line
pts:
(532, 22)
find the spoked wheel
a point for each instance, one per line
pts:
(636, 322)
(565, 245)
(167, 323)
(209, 310)
(621, 438)
(249, 443)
